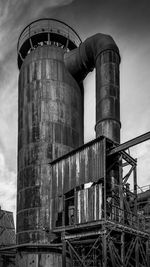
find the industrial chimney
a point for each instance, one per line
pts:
(53, 62)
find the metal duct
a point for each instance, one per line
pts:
(100, 51)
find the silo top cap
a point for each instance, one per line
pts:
(46, 30)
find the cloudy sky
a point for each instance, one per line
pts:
(128, 22)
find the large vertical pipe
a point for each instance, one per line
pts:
(101, 52)
(108, 95)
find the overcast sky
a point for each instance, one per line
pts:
(128, 22)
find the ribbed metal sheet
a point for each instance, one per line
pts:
(83, 166)
(89, 204)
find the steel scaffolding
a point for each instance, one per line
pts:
(119, 238)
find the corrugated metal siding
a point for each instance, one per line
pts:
(83, 166)
(89, 204)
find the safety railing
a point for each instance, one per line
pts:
(48, 26)
(143, 188)
(126, 218)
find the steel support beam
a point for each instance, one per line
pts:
(143, 254)
(117, 256)
(64, 253)
(104, 252)
(82, 235)
(76, 254)
(129, 251)
(137, 252)
(122, 248)
(128, 158)
(135, 190)
(111, 255)
(133, 142)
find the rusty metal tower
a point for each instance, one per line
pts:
(74, 206)
(50, 124)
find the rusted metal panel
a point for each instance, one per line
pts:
(82, 166)
(89, 204)
(60, 179)
(78, 213)
(50, 124)
(65, 174)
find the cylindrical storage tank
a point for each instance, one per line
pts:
(50, 123)
(108, 95)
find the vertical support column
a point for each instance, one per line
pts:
(137, 252)
(63, 249)
(104, 239)
(63, 236)
(121, 214)
(122, 248)
(75, 206)
(31, 43)
(108, 95)
(104, 249)
(104, 185)
(147, 253)
(63, 212)
(135, 189)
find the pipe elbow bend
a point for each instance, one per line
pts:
(95, 45)
(82, 60)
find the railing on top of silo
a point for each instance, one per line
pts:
(46, 30)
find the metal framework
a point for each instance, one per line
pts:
(7, 228)
(7, 238)
(46, 31)
(119, 238)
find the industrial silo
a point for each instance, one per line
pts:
(50, 124)
(53, 63)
